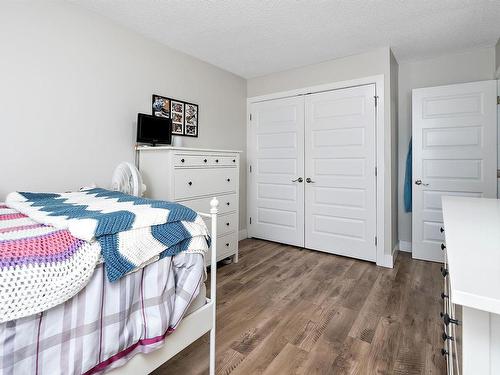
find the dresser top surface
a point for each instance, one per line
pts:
(180, 149)
(472, 231)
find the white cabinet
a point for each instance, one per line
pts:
(472, 285)
(192, 177)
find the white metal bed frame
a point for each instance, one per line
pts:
(192, 327)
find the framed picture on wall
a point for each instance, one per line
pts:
(184, 115)
(177, 114)
(161, 106)
(191, 120)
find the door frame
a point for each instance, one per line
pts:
(385, 254)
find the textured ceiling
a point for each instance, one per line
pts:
(256, 37)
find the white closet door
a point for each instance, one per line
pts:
(340, 200)
(276, 156)
(454, 153)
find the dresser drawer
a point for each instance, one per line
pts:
(198, 182)
(200, 160)
(225, 224)
(227, 203)
(226, 246)
(224, 161)
(181, 160)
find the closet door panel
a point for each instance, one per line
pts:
(340, 200)
(276, 156)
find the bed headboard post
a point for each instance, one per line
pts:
(214, 204)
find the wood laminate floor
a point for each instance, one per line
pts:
(282, 310)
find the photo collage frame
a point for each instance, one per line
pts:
(184, 115)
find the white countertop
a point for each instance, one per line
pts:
(472, 231)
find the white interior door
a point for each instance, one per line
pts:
(454, 153)
(276, 156)
(340, 199)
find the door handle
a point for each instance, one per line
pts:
(300, 179)
(309, 181)
(419, 182)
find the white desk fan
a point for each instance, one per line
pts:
(128, 180)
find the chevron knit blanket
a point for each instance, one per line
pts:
(51, 243)
(132, 231)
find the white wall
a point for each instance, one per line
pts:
(474, 65)
(71, 84)
(497, 59)
(351, 67)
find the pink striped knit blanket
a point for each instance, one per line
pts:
(40, 266)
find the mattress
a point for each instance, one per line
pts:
(106, 323)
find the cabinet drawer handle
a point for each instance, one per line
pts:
(447, 320)
(444, 272)
(443, 246)
(227, 224)
(228, 180)
(190, 183)
(441, 229)
(445, 337)
(227, 244)
(234, 160)
(444, 352)
(228, 203)
(216, 160)
(182, 160)
(205, 160)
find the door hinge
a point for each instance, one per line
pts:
(498, 100)
(376, 100)
(250, 117)
(250, 220)
(376, 171)
(375, 240)
(250, 169)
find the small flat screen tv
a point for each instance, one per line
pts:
(154, 130)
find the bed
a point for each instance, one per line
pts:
(131, 325)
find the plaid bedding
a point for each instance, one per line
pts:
(105, 323)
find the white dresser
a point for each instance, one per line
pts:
(471, 316)
(192, 177)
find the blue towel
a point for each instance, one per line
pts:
(408, 180)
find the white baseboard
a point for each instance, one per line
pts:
(387, 261)
(242, 234)
(405, 246)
